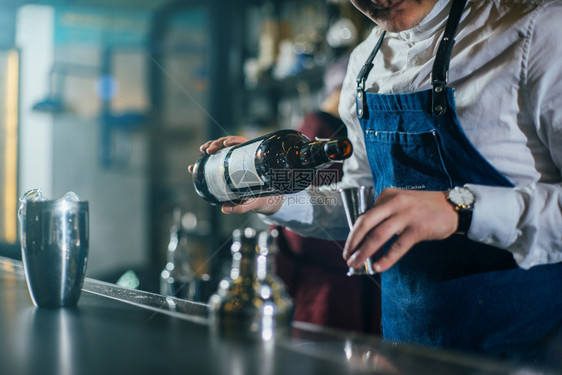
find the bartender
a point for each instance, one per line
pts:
(454, 111)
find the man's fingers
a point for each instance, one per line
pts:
(374, 240)
(265, 205)
(216, 145)
(205, 146)
(229, 208)
(241, 208)
(401, 245)
(212, 146)
(235, 140)
(364, 224)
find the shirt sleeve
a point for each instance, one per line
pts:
(527, 220)
(315, 212)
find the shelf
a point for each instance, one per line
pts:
(314, 77)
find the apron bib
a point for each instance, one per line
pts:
(455, 293)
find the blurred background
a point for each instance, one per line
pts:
(111, 99)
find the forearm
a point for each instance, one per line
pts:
(315, 212)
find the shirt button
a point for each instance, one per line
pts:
(414, 61)
(488, 240)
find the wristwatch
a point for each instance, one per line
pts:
(462, 200)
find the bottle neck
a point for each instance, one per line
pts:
(316, 153)
(242, 266)
(173, 244)
(264, 266)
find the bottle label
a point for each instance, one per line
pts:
(216, 182)
(242, 167)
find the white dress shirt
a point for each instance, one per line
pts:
(506, 70)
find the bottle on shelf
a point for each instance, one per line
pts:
(282, 162)
(252, 299)
(177, 276)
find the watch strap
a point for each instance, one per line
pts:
(465, 218)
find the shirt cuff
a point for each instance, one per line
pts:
(295, 208)
(494, 219)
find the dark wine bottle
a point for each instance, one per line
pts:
(282, 162)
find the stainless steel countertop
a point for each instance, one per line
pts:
(118, 330)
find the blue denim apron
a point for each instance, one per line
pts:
(455, 293)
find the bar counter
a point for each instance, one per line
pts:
(114, 330)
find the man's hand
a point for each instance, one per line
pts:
(263, 205)
(210, 147)
(413, 216)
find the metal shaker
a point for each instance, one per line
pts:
(55, 241)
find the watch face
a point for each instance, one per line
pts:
(461, 197)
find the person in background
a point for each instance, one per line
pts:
(313, 269)
(454, 109)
